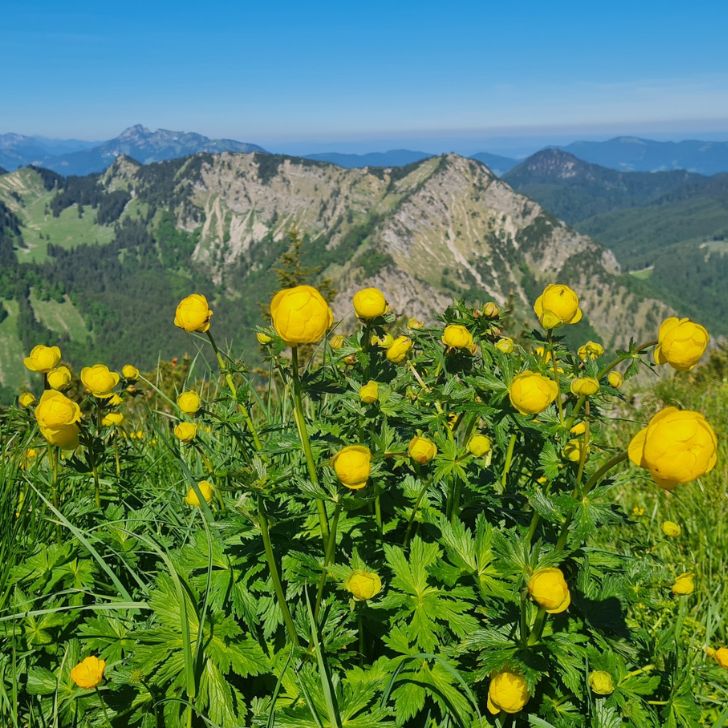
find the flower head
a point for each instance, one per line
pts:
(504, 345)
(300, 315)
(414, 324)
(26, 399)
(99, 380)
(59, 377)
(112, 419)
(601, 682)
(720, 656)
(363, 584)
(369, 303)
(677, 446)
(263, 338)
(193, 313)
(531, 393)
(479, 445)
(352, 465)
(369, 393)
(421, 450)
(491, 310)
(456, 336)
(399, 349)
(336, 341)
(590, 350)
(89, 672)
(185, 432)
(130, 372)
(615, 379)
(189, 402)
(56, 410)
(507, 691)
(680, 343)
(671, 529)
(684, 585)
(549, 590)
(557, 305)
(206, 489)
(42, 358)
(584, 386)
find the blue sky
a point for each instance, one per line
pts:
(342, 75)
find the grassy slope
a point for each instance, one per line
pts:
(12, 372)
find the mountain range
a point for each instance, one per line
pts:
(98, 262)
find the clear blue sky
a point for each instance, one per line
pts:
(346, 74)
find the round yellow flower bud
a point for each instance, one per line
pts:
(42, 358)
(59, 377)
(421, 450)
(479, 445)
(336, 341)
(363, 584)
(456, 336)
(414, 324)
(352, 465)
(193, 313)
(384, 342)
(491, 310)
(504, 345)
(574, 450)
(590, 350)
(300, 315)
(89, 672)
(720, 656)
(508, 692)
(26, 399)
(684, 585)
(601, 682)
(399, 349)
(680, 343)
(557, 305)
(206, 488)
(185, 431)
(584, 386)
(263, 339)
(671, 529)
(549, 590)
(677, 446)
(369, 303)
(112, 419)
(130, 372)
(56, 410)
(578, 429)
(99, 380)
(189, 402)
(64, 436)
(531, 393)
(369, 393)
(615, 379)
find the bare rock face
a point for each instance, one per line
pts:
(439, 229)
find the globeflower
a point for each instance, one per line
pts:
(206, 489)
(363, 585)
(352, 465)
(300, 315)
(456, 336)
(671, 529)
(369, 393)
(549, 590)
(189, 402)
(89, 672)
(584, 386)
(479, 445)
(720, 655)
(336, 341)
(504, 345)
(26, 399)
(369, 303)
(557, 305)
(99, 380)
(574, 450)
(185, 432)
(531, 393)
(601, 682)
(684, 585)
(42, 358)
(590, 350)
(112, 419)
(508, 692)
(193, 313)
(130, 372)
(615, 379)
(59, 377)
(399, 349)
(680, 343)
(414, 323)
(421, 450)
(263, 338)
(677, 446)
(56, 410)
(491, 310)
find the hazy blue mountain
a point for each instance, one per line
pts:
(17, 150)
(3, 170)
(495, 162)
(646, 155)
(391, 158)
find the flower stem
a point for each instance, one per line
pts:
(616, 362)
(329, 556)
(555, 365)
(538, 624)
(509, 460)
(410, 523)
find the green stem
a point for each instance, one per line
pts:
(523, 624)
(509, 459)
(329, 555)
(298, 416)
(275, 576)
(555, 366)
(103, 706)
(538, 624)
(410, 523)
(55, 499)
(622, 357)
(378, 509)
(453, 501)
(360, 624)
(535, 520)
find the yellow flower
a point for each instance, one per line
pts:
(300, 315)
(336, 341)
(28, 457)
(578, 429)
(421, 450)
(185, 431)
(413, 323)
(64, 436)
(508, 692)
(397, 352)
(115, 400)
(59, 377)
(543, 353)
(352, 465)
(720, 656)
(383, 342)
(671, 529)
(531, 393)
(42, 358)
(504, 345)
(680, 343)
(363, 584)
(263, 339)
(56, 410)
(89, 672)
(584, 386)
(549, 590)
(99, 380)
(112, 419)
(369, 393)
(130, 372)
(557, 305)
(601, 682)
(590, 350)
(479, 445)
(677, 446)
(491, 310)
(456, 336)
(369, 303)
(206, 488)
(574, 450)
(193, 313)
(189, 402)
(684, 585)
(26, 399)
(638, 511)
(615, 379)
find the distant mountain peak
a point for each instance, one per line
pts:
(135, 131)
